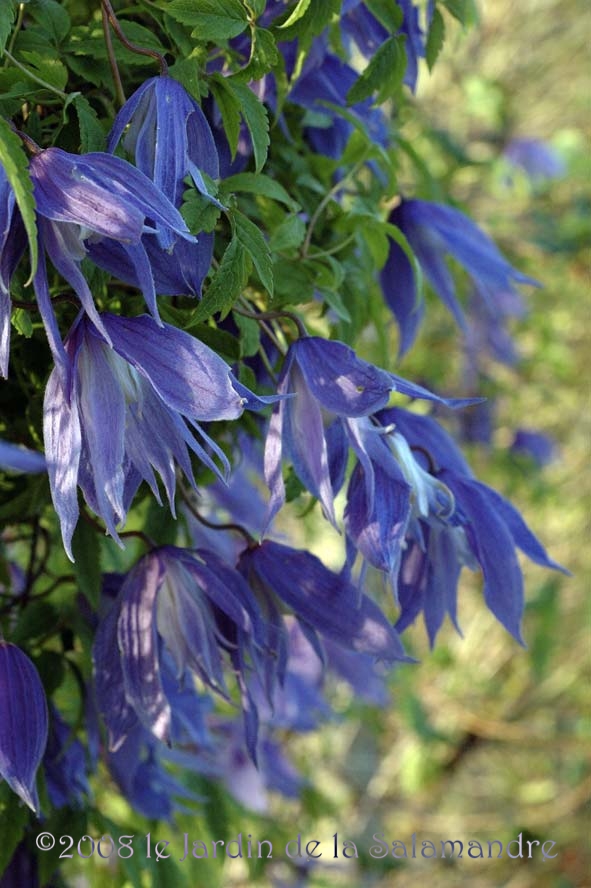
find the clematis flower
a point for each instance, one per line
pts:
(124, 413)
(15, 458)
(81, 199)
(12, 246)
(435, 231)
(329, 382)
(65, 765)
(541, 449)
(23, 723)
(475, 528)
(171, 601)
(538, 160)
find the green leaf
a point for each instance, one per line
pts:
(199, 213)
(289, 235)
(212, 19)
(7, 15)
(21, 321)
(389, 14)
(38, 619)
(253, 241)
(226, 285)
(51, 17)
(334, 300)
(463, 10)
(13, 818)
(298, 13)
(14, 161)
(435, 38)
(259, 183)
(256, 118)
(263, 56)
(87, 565)
(92, 137)
(229, 106)
(250, 335)
(51, 70)
(383, 75)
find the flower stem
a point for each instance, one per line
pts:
(132, 47)
(29, 73)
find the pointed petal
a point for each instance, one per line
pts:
(23, 723)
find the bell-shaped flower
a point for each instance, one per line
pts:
(325, 604)
(121, 414)
(435, 231)
(65, 765)
(175, 603)
(473, 526)
(23, 723)
(329, 381)
(15, 458)
(97, 197)
(12, 246)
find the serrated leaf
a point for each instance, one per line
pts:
(312, 20)
(334, 300)
(256, 118)
(14, 161)
(7, 16)
(51, 70)
(253, 241)
(229, 107)
(212, 19)
(226, 285)
(462, 10)
(259, 183)
(298, 13)
(92, 137)
(263, 56)
(199, 213)
(21, 321)
(383, 75)
(289, 235)
(87, 566)
(51, 17)
(435, 38)
(389, 14)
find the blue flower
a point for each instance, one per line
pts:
(468, 524)
(538, 160)
(83, 199)
(329, 381)
(12, 246)
(119, 415)
(15, 458)
(169, 137)
(186, 604)
(65, 765)
(538, 447)
(434, 231)
(23, 723)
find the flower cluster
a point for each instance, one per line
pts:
(221, 636)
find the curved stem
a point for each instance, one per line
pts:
(238, 528)
(132, 47)
(39, 80)
(273, 316)
(112, 60)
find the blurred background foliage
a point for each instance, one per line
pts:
(484, 740)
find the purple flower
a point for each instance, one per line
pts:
(536, 158)
(23, 723)
(435, 231)
(329, 381)
(468, 524)
(170, 139)
(176, 601)
(65, 765)
(92, 198)
(540, 448)
(125, 413)
(15, 458)
(12, 246)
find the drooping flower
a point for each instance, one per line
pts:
(125, 413)
(65, 765)
(23, 723)
(81, 199)
(172, 601)
(330, 382)
(538, 160)
(12, 246)
(476, 527)
(169, 137)
(15, 458)
(537, 446)
(435, 231)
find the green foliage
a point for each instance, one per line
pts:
(383, 75)
(211, 19)
(7, 15)
(14, 161)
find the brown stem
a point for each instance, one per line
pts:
(132, 47)
(112, 60)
